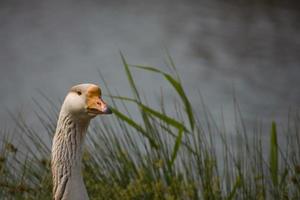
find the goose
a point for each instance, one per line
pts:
(82, 103)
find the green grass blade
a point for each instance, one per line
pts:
(165, 118)
(129, 77)
(179, 89)
(273, 156)
(135, 125)
(135, 91)
(170, 121)
(184, 98)
(176, 146)
(171, 63)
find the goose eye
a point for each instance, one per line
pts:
(79, 93)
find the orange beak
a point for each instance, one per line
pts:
(94, 102)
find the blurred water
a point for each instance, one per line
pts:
(253, 48)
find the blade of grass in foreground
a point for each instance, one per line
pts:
(274, 155)
(166, 119)
(135, 91)
(135, 125)
(176, 146)
(179, 89)
(129, 77)
(170, 121)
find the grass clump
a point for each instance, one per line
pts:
(158, 155)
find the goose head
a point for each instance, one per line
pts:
(84, 101)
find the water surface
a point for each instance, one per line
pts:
(252, 49)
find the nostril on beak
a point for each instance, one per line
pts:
(107, 110)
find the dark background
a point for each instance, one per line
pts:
(252, 47)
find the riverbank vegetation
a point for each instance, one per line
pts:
(183, 155)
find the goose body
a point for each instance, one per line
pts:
(82, 103)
